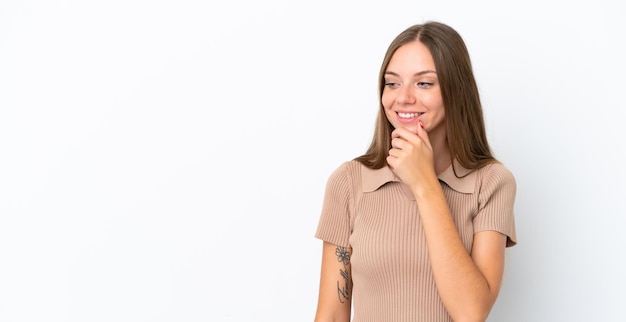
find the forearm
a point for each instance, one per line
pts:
(335, 293)
(463, 288)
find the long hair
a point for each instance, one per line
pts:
(465, 128)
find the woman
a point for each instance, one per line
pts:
(416, 228)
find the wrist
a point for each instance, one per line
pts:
(426, 188)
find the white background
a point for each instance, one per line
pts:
(166, 160)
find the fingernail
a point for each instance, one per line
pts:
(421, 124)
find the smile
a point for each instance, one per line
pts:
(409, 115)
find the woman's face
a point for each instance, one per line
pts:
(412, 91)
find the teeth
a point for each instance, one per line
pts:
(409, 115)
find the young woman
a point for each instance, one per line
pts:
(416, 228)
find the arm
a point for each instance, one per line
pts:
(468, 284)
(335, 292)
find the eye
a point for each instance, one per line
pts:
(392, 84)
(424, 84)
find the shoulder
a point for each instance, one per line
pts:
(344, 184)
(346, 175)
(496, 182)
(351, 168)
(496, 172)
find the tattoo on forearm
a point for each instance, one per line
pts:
(344, 286)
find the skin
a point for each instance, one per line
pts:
(467, 283)
(332, 306)
(411, 86)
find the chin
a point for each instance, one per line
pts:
(412, 128)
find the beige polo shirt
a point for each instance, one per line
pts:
(376, 215)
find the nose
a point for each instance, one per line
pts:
(406, 95)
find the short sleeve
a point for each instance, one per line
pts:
(334, 223)
(496, 202)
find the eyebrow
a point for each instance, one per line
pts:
(416, 74)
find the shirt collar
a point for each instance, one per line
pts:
(373, 179)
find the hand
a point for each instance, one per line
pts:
(411, 156)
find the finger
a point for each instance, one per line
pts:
(422, 134)
(394, 153)
(391, 161)
(397, 143)
(403, 133)
(395, 134)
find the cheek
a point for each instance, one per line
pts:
(436, 101)
(387, 105)
(386, 101)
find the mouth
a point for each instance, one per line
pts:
(409, 116)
